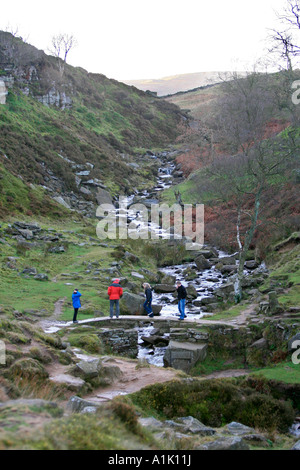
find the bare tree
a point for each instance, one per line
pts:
(285, 41)
(61, 46)
(252, 159)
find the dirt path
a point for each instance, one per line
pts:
(134, 377)
(58, 307)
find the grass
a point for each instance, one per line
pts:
(286, 372)
(229, 314)
(74, 268)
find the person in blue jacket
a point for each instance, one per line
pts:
(76, 304)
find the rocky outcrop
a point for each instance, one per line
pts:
(3, 92)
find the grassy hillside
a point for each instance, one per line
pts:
(58, 117)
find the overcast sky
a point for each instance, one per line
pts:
(134, 39)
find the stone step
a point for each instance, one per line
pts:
(184, 355)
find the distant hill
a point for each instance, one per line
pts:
(173, 84)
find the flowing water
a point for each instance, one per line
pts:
(205, 282)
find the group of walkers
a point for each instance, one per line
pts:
(115, 292)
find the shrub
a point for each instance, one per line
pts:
(89, 342)
(216, 403)
(126, 413)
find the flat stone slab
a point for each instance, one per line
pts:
(184, 356)
(74, 383)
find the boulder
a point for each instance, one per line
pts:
(132, 304)
(229, 268)
(191, 292)
(208, 253)
(227, 260)
(226, 443)
(238, 429)
(274, 307)
(88, 369)
(78, 405)
(202, 263)
(191, 425)
(225, 290)
(164, 288)
(155, 340)
(251, 264)
(103, 197)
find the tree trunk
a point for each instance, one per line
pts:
(243, 249)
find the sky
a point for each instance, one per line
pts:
(140, 39)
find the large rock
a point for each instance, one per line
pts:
(274, 307)
(103, 197)
(251, 264)
(164, 288)
(229, 268)
(227, 260)
(191, 292)
(226, 443)
(225, 290)
(184, 355)
(132, 304)
(78, 405)
(202, 263)
(88, 369)
(189, 424)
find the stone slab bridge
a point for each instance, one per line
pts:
(187, 342)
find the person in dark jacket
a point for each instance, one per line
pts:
(148, 301)
(114, 292)
(182, 294)
(76, 304)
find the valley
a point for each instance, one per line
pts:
(71, 143)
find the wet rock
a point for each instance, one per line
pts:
(164, 288)
(225, 290)
(155, 340)
(251, 264)
(191, 292)
(228, 269)
(202, 263)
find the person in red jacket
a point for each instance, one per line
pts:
(115, 292)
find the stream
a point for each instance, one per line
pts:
(205, 282)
